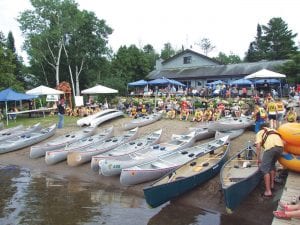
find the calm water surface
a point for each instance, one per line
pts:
(31, 199)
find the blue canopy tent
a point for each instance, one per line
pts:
(165, 81)
(10, 95)
(241, 82)
(138, 83)
(215, 83)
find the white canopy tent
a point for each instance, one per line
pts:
(99, 89)
(264, 73)
(43, 90)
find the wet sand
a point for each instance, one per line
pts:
(207, 196)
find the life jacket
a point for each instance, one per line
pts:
(262, 113)
(280, 106)
(291, 117)
(272, 107)
(266, 134)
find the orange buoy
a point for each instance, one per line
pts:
(290, 132)
(290, 161)
(295, 149)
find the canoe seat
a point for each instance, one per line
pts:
(236, 179)
(197, 168)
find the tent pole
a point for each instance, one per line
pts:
(6, 114)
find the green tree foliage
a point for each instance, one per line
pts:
(274, 41)
(206, 45)
(231, 59)
(7, 67)
(18, 61)
(167, 52)
(63, 42)
(292, 68)
(131, 64)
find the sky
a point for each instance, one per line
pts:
(230, 25)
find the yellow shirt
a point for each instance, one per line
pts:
(271, 141)
(272, 108)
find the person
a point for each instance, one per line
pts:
(184, 114)
(272, 113)
(280, 111)
(259, 116)
(291, 115)
(288, 211)
(171, 114)
(270, 140)
(198, 117)
(61, 113)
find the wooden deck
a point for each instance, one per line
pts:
(291, 189)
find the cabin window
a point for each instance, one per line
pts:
(187, 60)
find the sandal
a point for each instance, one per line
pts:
(281, 215)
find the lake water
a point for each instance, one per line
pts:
(32, 199)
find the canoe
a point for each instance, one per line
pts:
(108, 116)
(26, 140)
(109, 167)
(86, 121)
(57, 155)
(231, 123)
(164, 164)
(202, 132)
(5, 133)
(186, 177)
(231, 133)
(81, 156)
(18, 131)
(132, 146)
(60, 142)
(142, 121)
(239, 176)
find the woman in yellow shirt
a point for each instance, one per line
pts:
(291, 115)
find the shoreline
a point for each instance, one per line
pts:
(206, 196)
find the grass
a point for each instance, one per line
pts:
(69, 121)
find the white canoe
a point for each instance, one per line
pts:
(81, 156)
(162, 165)
(60, 142)
(26, 140)
(5, 133)
(231, 133)
(202, 132)
(142, 121)
(108, 116)
(230, 123)
(57, 155)
(129, 147)
(18, 131)
(86, 121)
(109, 167)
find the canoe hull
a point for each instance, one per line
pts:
(157, 195)
(27, 140)
(139, 122)
(235, 194)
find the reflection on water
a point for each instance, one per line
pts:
(39, 199)
(34, 199)
(183, 215)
